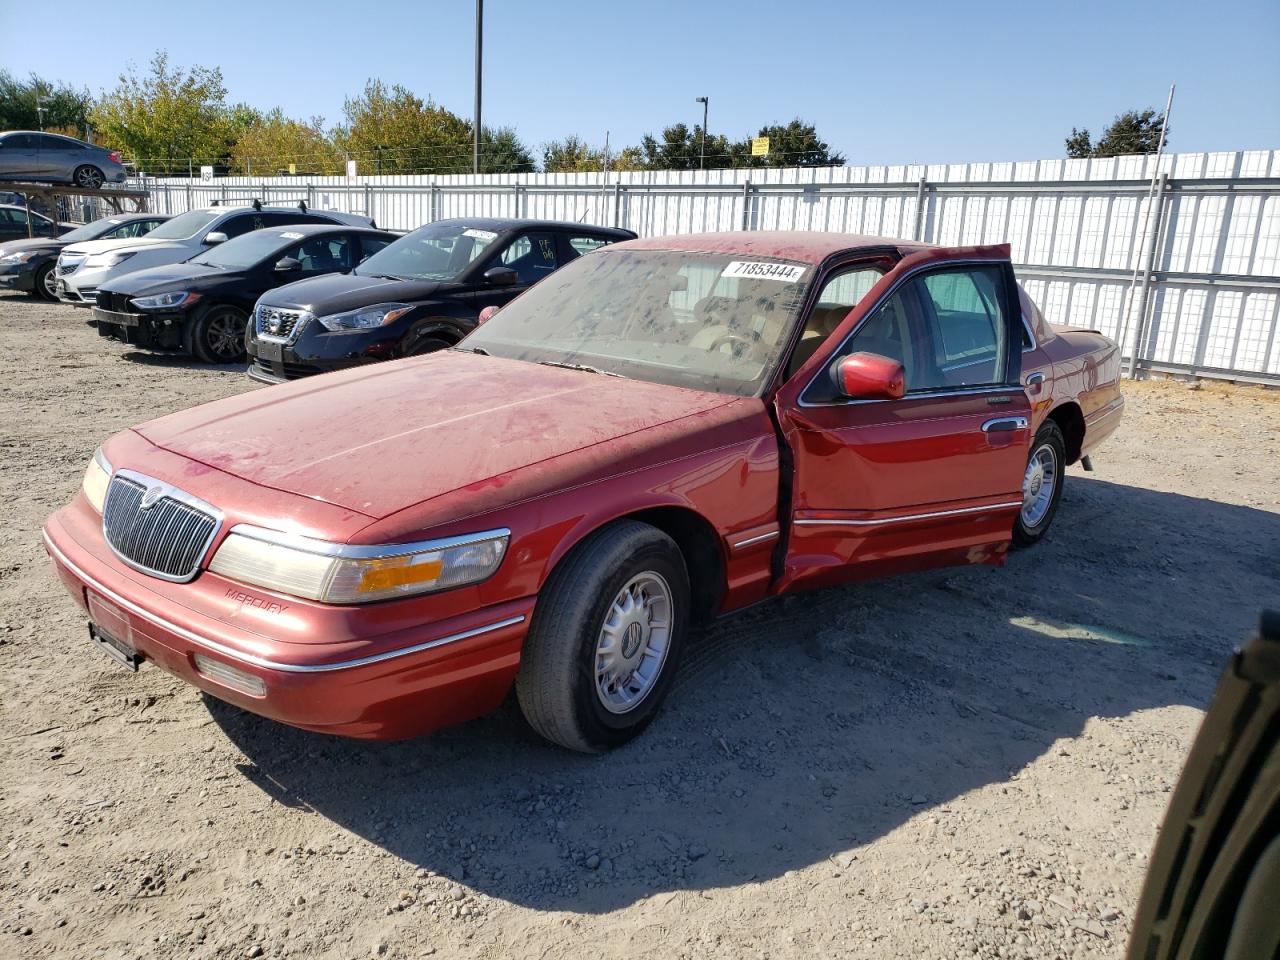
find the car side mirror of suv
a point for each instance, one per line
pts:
(869, 376)
(215, 236)
(501, 277)
(288, 264)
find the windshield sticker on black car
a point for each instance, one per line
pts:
(479, 234)
(290, 235)
(763, 270)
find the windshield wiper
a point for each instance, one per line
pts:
(386, 276)
(480, 350)
(579, 366)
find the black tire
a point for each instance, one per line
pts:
(88, 176)
(1031, 525)
(44, 283)
(427, 345)
(216, 334)
(557, 681)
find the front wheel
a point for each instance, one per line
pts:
(427, 345)
(216, 335)
(606, 638)
(1041, 485)
(46, 284)
(88, 176)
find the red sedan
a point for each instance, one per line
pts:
(664, 431)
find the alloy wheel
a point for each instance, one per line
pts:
(1038, 485)
(633, 642)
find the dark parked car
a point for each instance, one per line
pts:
(1210, 893)
(50, 158)
(422, 293)
(201, 306)
(28, 264)
(13, 224)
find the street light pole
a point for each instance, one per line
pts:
(702, 148)
(475, 145)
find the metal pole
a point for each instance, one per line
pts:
(1146, 219)
(702, 149)
(1141, 326)
(475, 147)
(921, 191)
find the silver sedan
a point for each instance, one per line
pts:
(50, 158)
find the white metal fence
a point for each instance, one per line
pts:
(1208, 264)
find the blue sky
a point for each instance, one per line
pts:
(908, 82)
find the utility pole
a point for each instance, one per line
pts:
(475, 147)
(702, 148)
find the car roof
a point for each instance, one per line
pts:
(502, 224)
(23, 210)
(311, 229)
(802, 245)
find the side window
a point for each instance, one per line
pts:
(531, 255)
(57, 144)
(21, 141)
(371, 245)
(324, 254)
(947, 329)
(241, 224)
(126, 230)
(840, 294)
(11, 216)
(585, 244)
(966, 324)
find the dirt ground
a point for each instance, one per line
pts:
(971, 762)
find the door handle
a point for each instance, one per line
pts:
(1004, 425)
(1034, 378)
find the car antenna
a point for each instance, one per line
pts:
(257, 205)
(302, 205)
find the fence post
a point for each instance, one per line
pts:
(368, 200)
(922, 194)
(746, 204)
(617, 203)
(435, 201)
(515, 190)
(1140, 328)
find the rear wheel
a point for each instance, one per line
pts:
(1041, 485)
(46, 286)
(606, 638)
(88, 176)
(216, 335)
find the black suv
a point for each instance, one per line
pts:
(422, 293)
(201, 306)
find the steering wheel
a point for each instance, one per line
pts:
(739, 344)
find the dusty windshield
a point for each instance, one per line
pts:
(438, 251)
(714, 322)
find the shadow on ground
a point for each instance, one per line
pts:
(176, 360)
(805, 728)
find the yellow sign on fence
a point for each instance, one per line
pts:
(293, 169)
(760, 146)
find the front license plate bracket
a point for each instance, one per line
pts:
(115, 648)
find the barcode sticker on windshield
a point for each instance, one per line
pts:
(291, 236)
(763, 270)
(479, 234)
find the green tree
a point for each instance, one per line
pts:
(575, 155)
(66, 110)
(167, 116)
(501, 151)
(795, 144)
(680, 148)
(391, 129)
(268, 145)
(1134, 131)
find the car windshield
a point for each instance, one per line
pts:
(247, 249)
(715, 322)
(91, 231)
(438, 251)
(185, 225)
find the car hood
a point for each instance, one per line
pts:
(133, 243)
(381, 438)
(169, 275)
(31, 245)
(339, 292)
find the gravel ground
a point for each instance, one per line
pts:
(970, 762)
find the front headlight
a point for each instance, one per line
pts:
(109, 259)
(366, 318)
(96, 478)
(16, 257)
(166, 301)
(339, 573)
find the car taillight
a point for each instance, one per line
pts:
(115, 157)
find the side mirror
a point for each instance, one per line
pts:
(288, 265)
(501, 277)
(486, 314)
(215, 236)
(869, 376)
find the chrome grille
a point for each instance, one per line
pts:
(277, 324)
(69, 263)
(157, 528)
